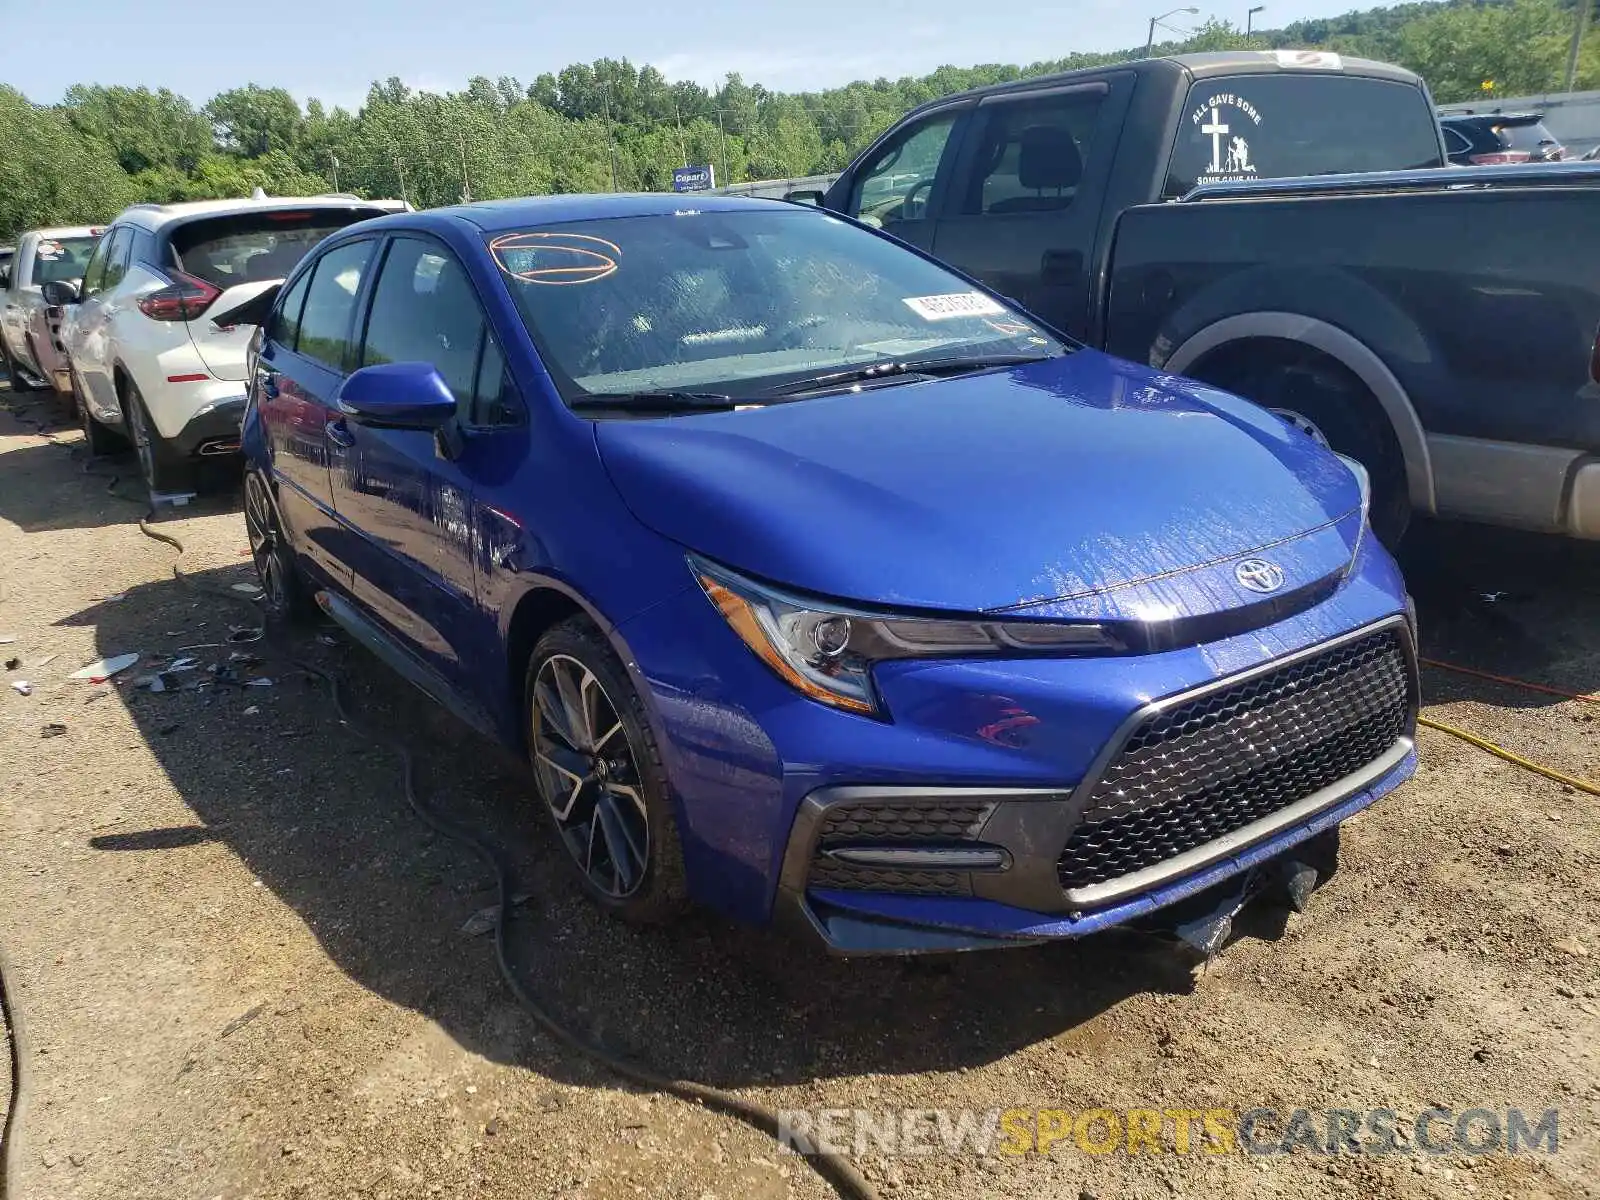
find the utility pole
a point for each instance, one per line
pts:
(683, 149)
(335, 159)
(1250, 18)
(1579, 24)
(401, 171)
(466, 184)
(611, 140)
(1150, 42)
(724, 135)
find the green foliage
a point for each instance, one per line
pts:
(592, 126)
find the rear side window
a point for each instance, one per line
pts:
(254, 247)
(329, 312)
(1276, 126)
(1531, 138)
(1031, 153)
(55, 259)
(284, 326)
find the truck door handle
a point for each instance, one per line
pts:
(269, 382)
(339, 434)
(1061, 266)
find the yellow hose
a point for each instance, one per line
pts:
(1501, 752)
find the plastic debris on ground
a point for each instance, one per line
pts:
(45, 661)
(7, 639)
(112, 599)
(243, 634)
(248, 589)
(54, 729)
(22, 687)
(262, 682)
(252, 710)
(99, 672)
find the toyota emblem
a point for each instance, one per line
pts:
(1258, 575)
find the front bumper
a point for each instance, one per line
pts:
(213, 431)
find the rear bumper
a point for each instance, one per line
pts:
(213, 431)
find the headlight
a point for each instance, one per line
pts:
(1364, 480)
(827, 652)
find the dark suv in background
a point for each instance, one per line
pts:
(1490, 139)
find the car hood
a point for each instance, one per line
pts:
(1081, 486)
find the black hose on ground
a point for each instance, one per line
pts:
(836, 1169)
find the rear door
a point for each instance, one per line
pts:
(91, 334)
(408, 494)
(235, 256)
(306, 350)
(1023, 207)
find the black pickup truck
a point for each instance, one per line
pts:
(1285, 226)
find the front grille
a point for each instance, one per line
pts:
(1215, 764)
(877, 823)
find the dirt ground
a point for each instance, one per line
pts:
(243, 972)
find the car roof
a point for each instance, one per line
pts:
(68, 231)
(495, 216)
(1196, 67)
(1475, 118)
(155, 216)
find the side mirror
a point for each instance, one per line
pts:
(407, 395)
(61, 291)
(805, 196)
(5, 279)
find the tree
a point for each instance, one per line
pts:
(51, 173)
(254, 121)
(143, 128)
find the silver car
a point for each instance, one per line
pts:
(29, 327)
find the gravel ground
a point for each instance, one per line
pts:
(244, 974)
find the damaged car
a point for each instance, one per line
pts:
(819, 584)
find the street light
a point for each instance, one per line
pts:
(1249, 19)
(1150, 41)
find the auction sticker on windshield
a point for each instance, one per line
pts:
(956, 304)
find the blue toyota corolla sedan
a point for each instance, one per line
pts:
(817, 582)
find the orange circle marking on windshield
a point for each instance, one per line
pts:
(595, 257)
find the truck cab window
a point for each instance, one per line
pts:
(896, 184)
(1031, 154)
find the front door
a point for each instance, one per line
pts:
(407, 494)
(898, 186)
(306, 349)
(1023, 207)
(90, 344)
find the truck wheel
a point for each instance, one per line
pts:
(1327, 403)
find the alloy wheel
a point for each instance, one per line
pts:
(588, 772)
(141, 440)
(261, 526)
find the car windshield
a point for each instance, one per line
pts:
(741, 302)
(55, 259)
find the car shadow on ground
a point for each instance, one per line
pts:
(315, 811)
(1513, 604)
(41, 497)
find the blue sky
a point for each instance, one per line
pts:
(332, 49)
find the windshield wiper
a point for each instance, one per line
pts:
(950, 365)
(656, 402)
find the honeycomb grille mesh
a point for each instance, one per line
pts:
(1214, 765)
(877, 823)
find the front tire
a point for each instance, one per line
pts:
(599, 776)
(100, 440)
(19, 382)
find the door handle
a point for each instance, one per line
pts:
(1061, 266)
(339, 434)
(269, 382)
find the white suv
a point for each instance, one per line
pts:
(148, 365)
